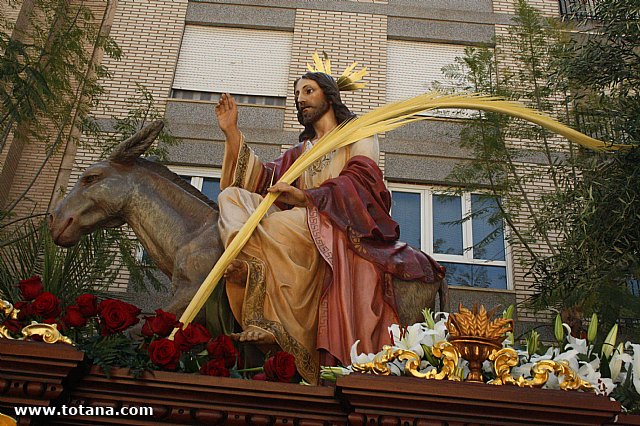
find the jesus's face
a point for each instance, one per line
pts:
(310, 101)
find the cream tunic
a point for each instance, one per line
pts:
(286, 271)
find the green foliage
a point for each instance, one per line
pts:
(116, 350)
(88, 267)
(626, 394)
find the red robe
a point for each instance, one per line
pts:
(349, 220)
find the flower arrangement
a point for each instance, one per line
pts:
(611, 370)
(99, 328)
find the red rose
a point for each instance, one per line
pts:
(192, 335)
(31, 288)
(24, 309)
(73, 317)
(280, 368)
(222, 348)
(46, 305)
(162, 324)
(260, 376)
(215, 367)
(13, 326)
(116, 316)
(88, 305)
(164, 353)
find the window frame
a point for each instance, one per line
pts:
(426, 231)
(197, 174)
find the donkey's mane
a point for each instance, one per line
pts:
(172, 177)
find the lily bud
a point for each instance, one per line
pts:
(592, 331)
(533, 342)
(610, 341)
(428, 318)
(558, 329)
(508, 313)
(615, 365)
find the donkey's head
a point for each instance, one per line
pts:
(101, 194)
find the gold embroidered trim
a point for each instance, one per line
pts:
(356, 239)
(320, 164)
(313, 219)
(253, 315)
(241, 167)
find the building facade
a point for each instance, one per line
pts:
(186, 53)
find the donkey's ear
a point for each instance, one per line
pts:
(136, 145)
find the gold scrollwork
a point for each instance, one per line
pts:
(443, 350)
(8, 310)
(48, 332)
(378, 365)
(507, 358)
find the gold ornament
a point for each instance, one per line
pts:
(475, 336)
(347, 81)
(443, 350)
(507, 358)
(48, 332)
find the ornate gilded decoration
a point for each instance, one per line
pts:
(347, 81)
(476, 323)
(8, 310)
(475, 336)
(48, 332)
(505, 359)
(444, 350)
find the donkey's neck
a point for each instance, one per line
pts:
(165, 217)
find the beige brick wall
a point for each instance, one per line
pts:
(149, 34)
(547, 7)
(536, 182)
(11, 11)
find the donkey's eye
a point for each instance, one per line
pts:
(89, 179)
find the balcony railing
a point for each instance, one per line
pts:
(601, 126)
(578, 9)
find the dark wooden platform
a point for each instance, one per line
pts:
(37, 374)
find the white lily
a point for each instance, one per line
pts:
(522, 370)
(435, 335)
(571, 357)
(579, 345)
(360, 358)
(411, 340)
(332, 373)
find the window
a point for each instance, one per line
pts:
(205, 180)
(433, 221)
(241, 99)
(217, 60)
(413, 67)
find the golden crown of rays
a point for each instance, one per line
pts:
(349, 78)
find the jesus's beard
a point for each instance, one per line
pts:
(313, 114)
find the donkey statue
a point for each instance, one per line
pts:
(175, 223)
